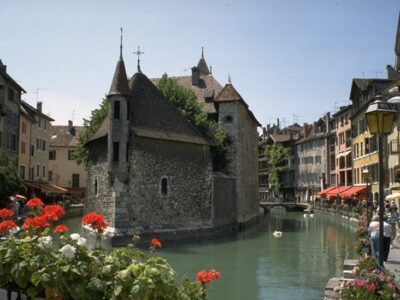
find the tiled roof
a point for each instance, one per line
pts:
(229, 94)
(60, 137)
(202, 66)
(32, 112)
(280, 138)
(119, 84)
(154, 116)
(205, 91)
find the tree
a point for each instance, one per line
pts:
(186, 101)
(97, 117)
(10, 182)
(277, 159)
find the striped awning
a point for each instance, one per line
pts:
(46, 187)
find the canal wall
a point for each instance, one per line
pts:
(348, 218)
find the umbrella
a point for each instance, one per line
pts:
(393, 196)
(394, 100)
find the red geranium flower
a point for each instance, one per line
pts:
(6, 226)
(61, 229)
(53, 212)
(156, 243)
(95, 220)
(36, 223)
(34, 202)
(6, 213)
(206, 277)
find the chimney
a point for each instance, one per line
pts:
(195, 76)
(3, 67)
(277, 123)
(315, 126)
(70, 126)
(306, 130)
(39, 106)
(327, 120)
(392, 73)
(264, 132)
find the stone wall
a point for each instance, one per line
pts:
(243, 155)
(224, 200)
(98, 170)
(185, 202)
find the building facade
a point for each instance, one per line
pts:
(10, 98)
(63, 170)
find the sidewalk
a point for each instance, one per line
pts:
(393, 264)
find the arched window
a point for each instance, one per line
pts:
(164, 186)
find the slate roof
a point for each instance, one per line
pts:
(154, 116)
(60, 137)
(119, 84)
(202, 66)
(9, 78)
(207, 89)
(280, 138)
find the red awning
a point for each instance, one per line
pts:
(354, 191)
(337, 191)
(323, 192)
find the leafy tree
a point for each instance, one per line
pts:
(185, 100)
(277, 158)
(10, 182)
(81, 155)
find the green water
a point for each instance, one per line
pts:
(256, 265)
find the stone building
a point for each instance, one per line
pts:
(10, 98)
(311, 174)
(149, 170)
(287, 138)
(226, 106)
(64, 171)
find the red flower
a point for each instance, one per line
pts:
(34, 202)
(36, 223)
(53, 212)
(95, 220)
(6, 226)
(61, 229)
(156, 243)
(6, 213)
(206, 277)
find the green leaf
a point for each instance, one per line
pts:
(33, 291)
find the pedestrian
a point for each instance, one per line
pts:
(387, 234)
(373, 230)
(392, 218)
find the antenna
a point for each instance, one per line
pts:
(376, 73)
(229, 78)
(73, 115)
(295, 118)
(120, 47)
(37, 93)
(363, 73)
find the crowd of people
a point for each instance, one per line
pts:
(391, 224)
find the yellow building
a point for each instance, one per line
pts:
(365, 146)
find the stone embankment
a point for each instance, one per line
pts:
(331, 289)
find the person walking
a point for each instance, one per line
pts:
(387, 238)
(392, 218)
(373, 230)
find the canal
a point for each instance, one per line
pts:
(256, 265)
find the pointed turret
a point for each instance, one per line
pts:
(397, 47)
(202, 65)
(119, 85)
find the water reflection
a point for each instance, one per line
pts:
(255, 265)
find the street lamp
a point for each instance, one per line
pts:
(366, 174)
(380, 117)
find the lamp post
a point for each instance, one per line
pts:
(366, 174)
(380, 117)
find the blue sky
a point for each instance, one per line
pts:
(289, 59)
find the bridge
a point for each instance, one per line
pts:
(289, 206)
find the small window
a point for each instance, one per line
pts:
(115, 151)
(40, 122)
(127, 152)
(164, 186)
(37, 144)
(116, 109)
(37, 170)
(11, 95)
(44, 172)
(71, 154)
(50, 175)
(228, 119)
(23, 148)
(75, 180)
(43, 145)
(95, 186)
(32, 150)
(52, 155)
